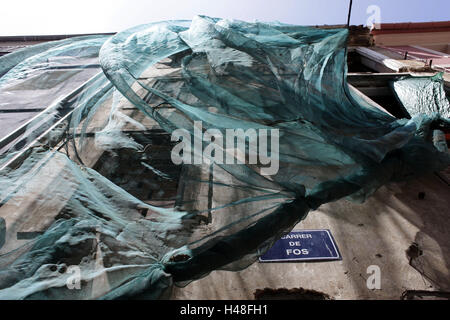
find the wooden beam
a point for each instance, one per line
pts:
(382, 63)
(368, 100)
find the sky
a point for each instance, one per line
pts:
(21, 17)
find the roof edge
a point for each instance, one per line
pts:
(411, 27)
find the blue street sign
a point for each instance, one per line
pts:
(304, 245)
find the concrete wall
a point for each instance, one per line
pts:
(378, 232)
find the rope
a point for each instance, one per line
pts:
(349, 13)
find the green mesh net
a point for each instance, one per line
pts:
(93, 205)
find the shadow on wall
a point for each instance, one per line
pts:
(389, 221)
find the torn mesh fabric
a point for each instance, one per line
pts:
(95, 187)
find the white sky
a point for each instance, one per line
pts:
(27, 17)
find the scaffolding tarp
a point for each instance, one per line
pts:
(89, 191)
